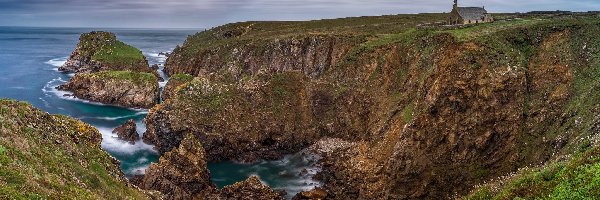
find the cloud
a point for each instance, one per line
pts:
(208, 13)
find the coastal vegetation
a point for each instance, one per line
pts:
(45, 156)
(428, 105)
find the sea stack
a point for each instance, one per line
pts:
(111, 72)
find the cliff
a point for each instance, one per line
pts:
(428, 107)
(122, 88)
(101, 51)
(182, 173)
(55, 157)
(175, 81)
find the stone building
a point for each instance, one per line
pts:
(468, 15)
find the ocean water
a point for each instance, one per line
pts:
(29, 58)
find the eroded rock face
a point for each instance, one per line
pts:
(433, 111)
(181, 173)
(122, 88)
(127, 131)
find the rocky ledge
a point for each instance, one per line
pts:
(101, 51)
(121, 88)
(128, 131)
(182, 173)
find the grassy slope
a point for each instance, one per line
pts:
(138, 78)
(119, 53)
(56, 157)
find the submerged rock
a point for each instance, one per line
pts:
(122, 88)
(127, 131)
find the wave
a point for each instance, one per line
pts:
(111, 143)
(139, 113)
(57, 62)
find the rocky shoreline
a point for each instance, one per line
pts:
(386, 113)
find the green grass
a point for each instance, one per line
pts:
(55, 157)
(119, 53)
(578, 178)
(181, 78)
(477, 31)
(139, 78)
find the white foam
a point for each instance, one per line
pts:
(50, 90)
(138, 170)
(112, 143)
(57, 62)
(119, 117)
(162, 84)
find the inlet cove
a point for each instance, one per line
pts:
(459, 105)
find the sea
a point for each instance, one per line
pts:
(29, 61)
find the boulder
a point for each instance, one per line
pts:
(249, 189)
(127, 131)
(314, 194)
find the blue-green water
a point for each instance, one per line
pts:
(29, 58)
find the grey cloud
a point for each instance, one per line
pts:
(207, 13)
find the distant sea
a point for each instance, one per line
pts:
(30, 57)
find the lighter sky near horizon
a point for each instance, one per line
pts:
(210, 13)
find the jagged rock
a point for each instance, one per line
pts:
(122, 88)
(154, 67)
(136, 180)
(127, 131)
(249, 189)
(314, 194)
(180, 173)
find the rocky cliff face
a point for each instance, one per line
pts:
(183, 174)
(101, 51)
(180, 173)
(427, 108)
(122, 88)
(173, 85)
(55, 157)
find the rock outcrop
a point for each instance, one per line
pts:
(425, 108)
(56, 157)
(181, 173)
(128, 131)
(249, 189)
(101, 51)
(174, 82)
(314, 194)
(121, 88)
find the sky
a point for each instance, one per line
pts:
(210, 13)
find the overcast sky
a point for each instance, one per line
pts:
(209, 13)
